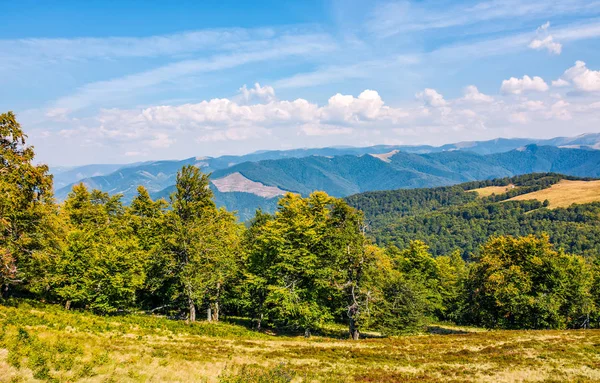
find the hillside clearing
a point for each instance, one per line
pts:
(565, 193)
(52, 344)
(489, 190)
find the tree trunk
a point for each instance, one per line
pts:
(354, 333)
(215, 305)
(215, 311)
(192, 308)
(209, 314)
(67, 305)
(307, 333)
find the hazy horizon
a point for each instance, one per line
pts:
(308, 148)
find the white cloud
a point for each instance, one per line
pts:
(260, 93)
(583, 78)
(545, 40)
(342, 120)
(161, 140)
(560, 83)
(544, 27)
(324, 130)
(431, 97)
(519, 118)
(151, 46)
(533, 105)
(106, 91)
(523, 85)
(390, 18)
(547, 43)
(234, 134)
(471, 93)
(560, 110)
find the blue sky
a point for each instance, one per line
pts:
(126, 81)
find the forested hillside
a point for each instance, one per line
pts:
(456, 218)
(342, 172)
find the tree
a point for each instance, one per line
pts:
(147, 220)
(354, 264)
(309, 262)
(452, 273)
(297, 273)
(26, 207)
(410, 290)
(203, 242)
(100, 266)
(524, 283)
(255, 276)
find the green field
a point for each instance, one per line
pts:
(46, 343)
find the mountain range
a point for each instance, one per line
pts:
(257, 180)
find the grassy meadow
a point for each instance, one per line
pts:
(565, 193)
(45, 343)
(489, 190)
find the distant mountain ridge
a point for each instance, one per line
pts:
(243, 183)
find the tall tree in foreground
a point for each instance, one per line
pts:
(203, 242)
(356, 265)
(25, 203)
(310, 262)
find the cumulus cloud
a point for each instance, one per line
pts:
(431, 97)
(545, 41)
(533, 105)
(342, 119)
(582, 78)
(560, 83)
(522, 85)
(473, 94)
(257, 93)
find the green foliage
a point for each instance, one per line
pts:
(202, 241)
(100, 265)
(309, 263)
(26, 210)
(524, 283)
(452, 218)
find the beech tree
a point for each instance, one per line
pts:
(310, 262)
(99, 265)
(26, 204)
(525, 283)
(203, 241)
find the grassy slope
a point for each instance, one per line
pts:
(565, 193)
(489, 190)
(46, 341)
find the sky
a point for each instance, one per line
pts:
(128, 81)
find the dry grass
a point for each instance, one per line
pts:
(488, 191)
(565, 193)
(137, 350)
